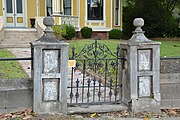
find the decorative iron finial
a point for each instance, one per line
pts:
(138, 35)
(49, 22)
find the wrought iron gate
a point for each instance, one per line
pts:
(95, 79)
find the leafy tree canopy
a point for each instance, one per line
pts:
(157, 14)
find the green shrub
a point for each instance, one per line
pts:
(68, 31)
(86, 32)
(115, 34)
(57, 31)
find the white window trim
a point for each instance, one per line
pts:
(72, 2)
(118, 12)
(25, 15)
(111, 13)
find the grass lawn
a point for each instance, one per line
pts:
(168, 48)
(79, 44)
(10, 69)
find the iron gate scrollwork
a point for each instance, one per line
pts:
(95, 79)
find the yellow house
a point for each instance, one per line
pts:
(100, 15)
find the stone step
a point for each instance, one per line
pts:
(14, 46)
(18, 38)
(17, 35)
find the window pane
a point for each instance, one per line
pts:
(117, 3)
(49, 7)
(117, 12)
(95, 9)
(116, 16)
(19, 6)
(67, 7)
(9, 6)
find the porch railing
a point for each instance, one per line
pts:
(68, 19)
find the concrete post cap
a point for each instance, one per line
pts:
(138, 22)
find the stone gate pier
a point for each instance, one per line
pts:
(49, 72)
(141, 71)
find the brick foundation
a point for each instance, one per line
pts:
(102, 35)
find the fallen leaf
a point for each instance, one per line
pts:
(28, 117)
(28, 111)
(173, 112)
(94, 115)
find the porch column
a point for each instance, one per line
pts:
(38, 8)
(56, 7)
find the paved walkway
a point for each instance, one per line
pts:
(23, 53)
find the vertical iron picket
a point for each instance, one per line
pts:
(88, 93)
(110, 91)
(94, 88)
(84, 72)
(99, 90)
(71, 93)
(106, 70)
(77, 88)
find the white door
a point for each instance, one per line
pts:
(14, 13)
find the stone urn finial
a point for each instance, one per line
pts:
(138, 35)
(49, 22)
(138, 23)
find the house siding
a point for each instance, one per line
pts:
(42, 8)
(31, 10)
(75, 8)
(82, 13)
(108, 14)
(1, 6)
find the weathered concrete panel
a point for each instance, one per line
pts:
(19, 98)
(15, 95)
(170, 91)
(144, 86)
(170, 78)
(51, 61)
(145, 104)
(50, 89)
(144, 60)
(170, 104)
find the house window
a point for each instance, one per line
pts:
(117, 13)
(95, 9)
(67, 7)
(48, 7)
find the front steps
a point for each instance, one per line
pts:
(18, 38)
